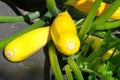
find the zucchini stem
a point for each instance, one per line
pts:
(54, 62)
(68, 72)
(75, 68)
(28, 17)
(89, 19)
(108, 25)
(51, 5)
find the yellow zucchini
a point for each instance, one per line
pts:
(26, 45)
(96, 44)
(64, 34)
(85, 6)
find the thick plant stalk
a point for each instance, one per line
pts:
(68, 72)
(86, 26)
(54, 62)
(28, 17)
(75, 69)
(51, 5)
(108, 25)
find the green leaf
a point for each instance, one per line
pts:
(103, 68)
(80, 61)
(104, 72)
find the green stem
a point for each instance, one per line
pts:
(54, 62)
(100, 34)
(94, 55)
(101, 19)
(68, 72)
(91, 71)
(51, 5)
(79, 21)
(28, 17)
(89, 19)
(38, 24)
(75, 68)
(108, 25)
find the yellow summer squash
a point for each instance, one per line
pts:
(64, 34)
(26, 45)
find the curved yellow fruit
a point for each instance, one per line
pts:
(64, 34)
(96, 44)
(27, 44)
(85, 6)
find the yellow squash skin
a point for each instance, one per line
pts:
(26, 45)
(85, 6)
(96, 44)
(64, 34)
